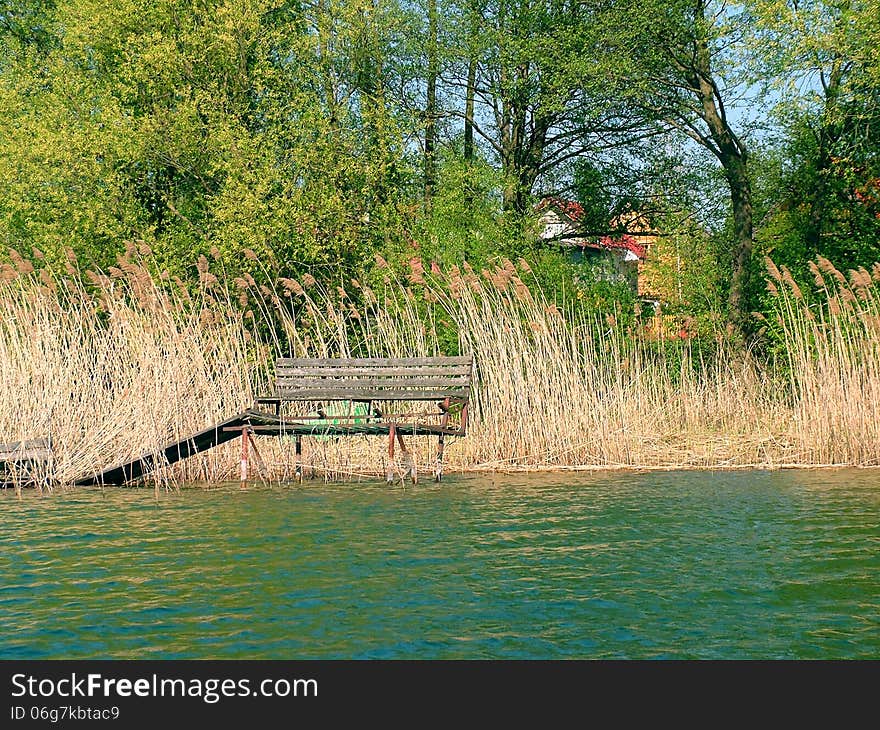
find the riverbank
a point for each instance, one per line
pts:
(114, 366)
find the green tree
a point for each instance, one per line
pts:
(821, 60)
(539, 92)
(681, 60)
(218, 125)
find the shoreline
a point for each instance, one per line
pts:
(552, 391)
(674, 467)
(371, 476)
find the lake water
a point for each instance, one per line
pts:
(753, 564)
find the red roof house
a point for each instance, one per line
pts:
(613, 256)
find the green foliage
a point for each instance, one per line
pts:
(584, 288)
(591, 183)
(277, 138)
(844, 223)
(464, 223)
(220, 126)
(822, 182)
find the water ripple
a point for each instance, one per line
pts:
(672, 565)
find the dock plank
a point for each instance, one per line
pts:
(206, 439)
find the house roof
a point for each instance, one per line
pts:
(571, 209)
(624, 241)
(575, 213)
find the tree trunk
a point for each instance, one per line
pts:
(469, 109)
(470, 93)
(522, 155)
(516, 159)
(741, 201)
(826, 138)
(732, 154)
(431, 107)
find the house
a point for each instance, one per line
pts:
(613, 257)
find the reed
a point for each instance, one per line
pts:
(114, 365)
(831, 342)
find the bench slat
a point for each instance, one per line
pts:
(371, 394)
(373, 378)
(371, 361)
(40, 443)
(395, 382)
(25, 455)
(288, 370)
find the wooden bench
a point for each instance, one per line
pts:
(369, 391)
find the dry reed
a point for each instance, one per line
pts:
(118, 365)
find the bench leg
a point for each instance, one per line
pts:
(441, 440)
(244, 457)
(262, 471)
(298, 470)
(389, 470)
(438, 470)
(408, 461)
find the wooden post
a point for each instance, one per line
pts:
(438, 471)
(389, 471)
(281, 445)
(408, 460)
(262, 471)
(298, 471)
(244, 457)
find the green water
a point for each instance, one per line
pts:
(684, 565)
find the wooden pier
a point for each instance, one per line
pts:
(21, 461)
(361, 385)
(196, 443)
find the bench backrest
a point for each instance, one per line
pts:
(373, 378)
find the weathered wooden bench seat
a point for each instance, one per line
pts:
(369, 391)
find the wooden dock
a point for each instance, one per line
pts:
(29, 450)
(20, 461)
(358, 383)
(249, 421)
(196, 443)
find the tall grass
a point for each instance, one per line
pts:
(114, 365)
(562, 391)
(832, 348)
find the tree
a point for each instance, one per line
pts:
(431, 111)
(820, 58)
(539, 91)
(678, 58)
(196, 127)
